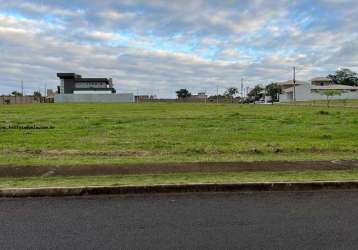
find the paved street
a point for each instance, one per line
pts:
(183, 221)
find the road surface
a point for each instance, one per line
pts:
(276, 220)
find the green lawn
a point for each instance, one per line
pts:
(181, 178)
(174, 132)
(337, 103)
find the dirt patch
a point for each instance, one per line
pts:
(73, 152)
(96, 170)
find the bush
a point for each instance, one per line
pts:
(323, 112)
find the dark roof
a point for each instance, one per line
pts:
(68, 75)
(96, 89)
(92, 80)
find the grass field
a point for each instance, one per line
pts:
(181, 178)
(333, 103)
(61, 134)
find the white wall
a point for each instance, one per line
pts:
(92, 92)
(303, 93)
(66, 98)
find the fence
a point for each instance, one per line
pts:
(193, 100)
(24, 99)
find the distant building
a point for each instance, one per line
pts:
(315, 89)
(287, 88)
(74, 88)
(199, 96)
(322, 81)
(290, 84)
(140, 98)
(50, 93)
(9, 99)
(72, 83)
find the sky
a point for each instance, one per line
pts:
(160, 46)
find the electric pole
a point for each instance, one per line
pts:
(294, 84)
(242, 87)
(217, 95)
(206, 97)
(22, 87)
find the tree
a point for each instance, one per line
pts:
(256, 93)
(183, 93)
(15, 93)
(273, 90)
(345, 77)
(231, 92)
(37, 95)
(329, 93)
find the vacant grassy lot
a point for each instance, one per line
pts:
(333, 103)
(60, 134)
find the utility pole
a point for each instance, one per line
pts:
(22, 87)
(294, 84)
(217, 95)
(242, 87)
(206, 97)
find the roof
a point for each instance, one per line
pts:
(334, 87)
(326, 87)
(321, 79)
(92, 80)
(288, 90)
(68, 75)
(290, 82)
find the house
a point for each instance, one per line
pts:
(287, 90)
(144, 98)
(199, 96)
(322, 81)
(74, 88)
(50, 93)
(315, 91)
(72, 83)
(289, 84)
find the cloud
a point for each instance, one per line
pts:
(157, 46)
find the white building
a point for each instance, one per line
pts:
(314, 90)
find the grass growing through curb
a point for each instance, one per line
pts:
(181, 178)
(77, 134)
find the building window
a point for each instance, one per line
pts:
(62, 86)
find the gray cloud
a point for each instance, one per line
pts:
(156, 46)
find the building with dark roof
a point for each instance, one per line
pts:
(72, 83)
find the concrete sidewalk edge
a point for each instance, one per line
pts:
(177, 188)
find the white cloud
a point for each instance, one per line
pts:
(195, 44)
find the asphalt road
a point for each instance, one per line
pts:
(278, 220)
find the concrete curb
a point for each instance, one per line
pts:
(242, 187)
